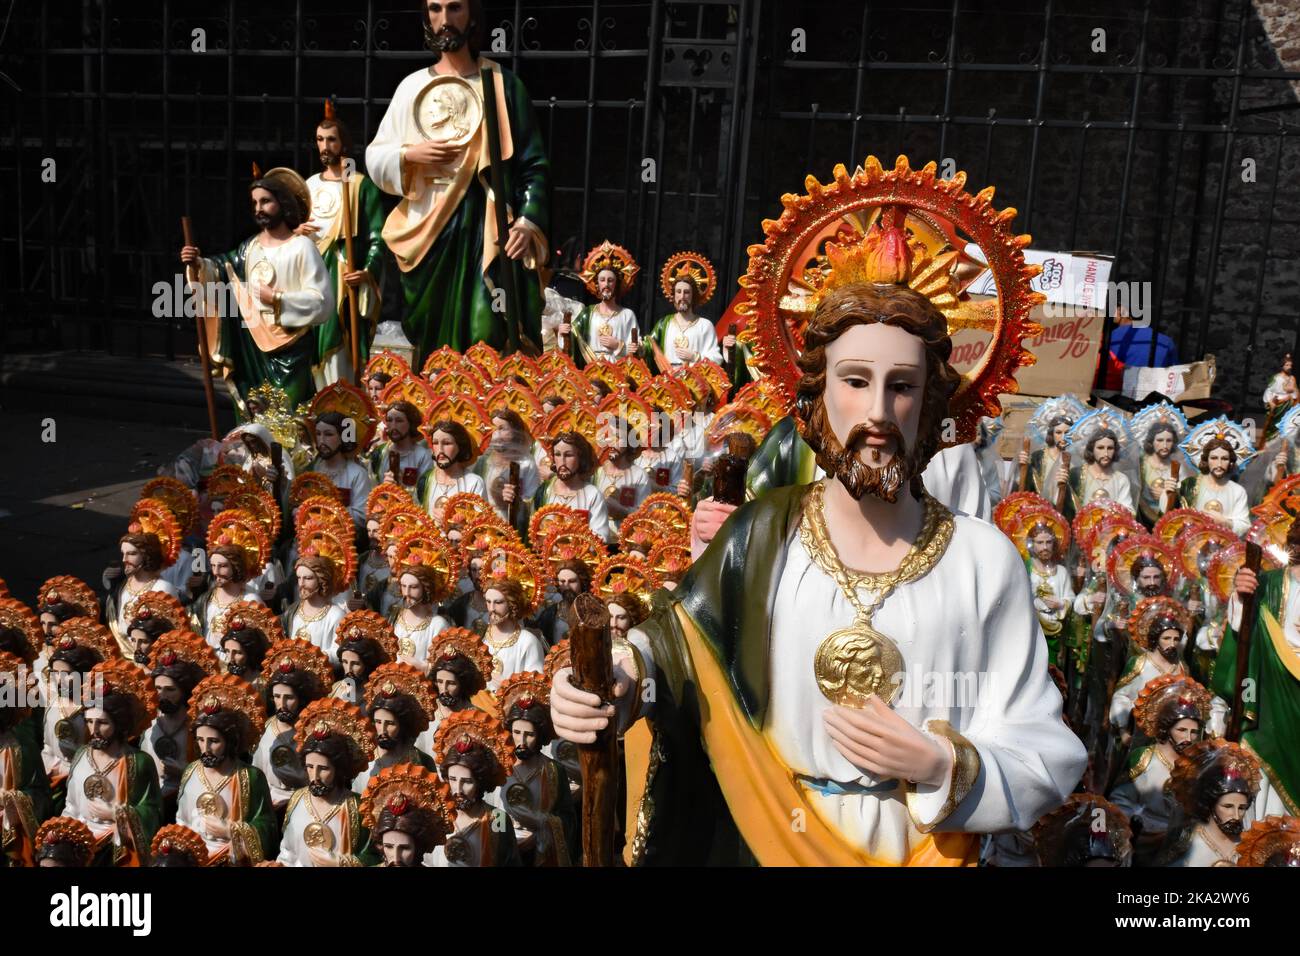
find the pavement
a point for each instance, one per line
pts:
(65, 502)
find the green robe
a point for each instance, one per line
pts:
(259, 830)
(143, 802)
(1273, 716)
(446, 299)
(368, 249)
(32, 790)
(783, 458)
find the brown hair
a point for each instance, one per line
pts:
(1214, 444)
(586, 454)
(578, 567)
(428, 578)
(465, 450)
(149, 547)
(239, 572)
(323, 568)
(511, 589)
(901, 307)
(408, 411)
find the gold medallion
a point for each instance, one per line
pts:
(64, 730)
(210, 804)
(282, 756)
(448, 110)
(406, 647)
(605, 329)
(324, 203)
(302, 634)
(518, 795)
(1214, 505)
(681, 342)
(318, 836)
(97, 787)
(855, 662)
(262, 272)
(165, 748)
(1100, 493)
(456, 850)
(1157, 485)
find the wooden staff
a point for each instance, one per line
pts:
(499, 200)
(1064, 488)
(512, 511)
(1023, 485)
(351, 291)
(593, 671)
(562, 340)
(194, 275)
(1171, 493)
(1254, 558)
(688, 476)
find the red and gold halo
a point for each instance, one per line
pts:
(18, 616)
(474, 728)
(1146, 612)
(1223, 568)
(764, 396)
(152, 516)
(71, 831)
(183, 645)
(1283, 497)
(433, 552)
(161, 605)
(487, 532)
(1173, 523)
(388, 363)
(557, 659)
(460, 641)
(383, 496)
(573, 417)
(179, 497)
(1274, 836)
(739, 417)
(230, 693)
(612, 375)
(714, 374)
(1204, 757)
(1005, 510)
(1054, 833)
(411, 389)
(609, 255)
(350, 402)
(241, 529)
(832, 226)
(519, 399)
(521, 365)
(696, 269)
(1194, 540)
(365, 624)
(521, 687)
(333, 715)
(1110, 530)
(571, 544)
(319, 509)
(259, 617)
(669, 510)
(516, 563)
(570, 387)
(225, 480)
(292, 654)
(440, 360)
(1090, 517)
(463, 508)
(394, 677)
(261, 506)
(15, 678)
(619, 574)
(1161, 690)
(1026, 519)
(403, 517)
(486, 359)
(669, 560)
(175, 838)
(554, 361)
(327, 541)
(549, 519)
(636, 371)
(691, 383)
(123, 677)
(1122, 556)
(408, 786)
(468, 412)
(64, 588)
(312, 484)
(89, 633)
(623, 406)
(1269, 532)
(458, 383)
(642, 534)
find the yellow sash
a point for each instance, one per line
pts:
(1285, 652)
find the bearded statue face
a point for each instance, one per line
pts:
(875, 377)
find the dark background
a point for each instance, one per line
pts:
(1135, 152)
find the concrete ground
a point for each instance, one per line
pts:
(64, 503)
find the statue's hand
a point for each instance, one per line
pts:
(431, 153)
(878, 741)
(577, 715)
(306, 229)
(1245, 582)
(518, 241)
(708, 518)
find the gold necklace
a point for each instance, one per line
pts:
(857, 661)
(505, 641)
(97, 786)
(209, 802)
(318, 834)
(307, 618)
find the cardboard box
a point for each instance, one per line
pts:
(1072, 318)
(1180, 382)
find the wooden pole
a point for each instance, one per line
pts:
(593, 671)
(351, 291)
(1063, 489)
(205, 360)
(1171, 493)
(1254, 559)
(506, 270)
(1023, 484)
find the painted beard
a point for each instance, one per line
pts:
(563, 472)
(447, 40)
(525, 753)
(286, 716)
(319, 788)
(449, 701)
(268, 221)
(1180, 747)
(237, 669)
(464, 802)
(844, 462)
(168, 706)
(443, 461)
(1170, 654)
(100, 743)
(387, 744)
(140, 657)
(1230, 828)
(211, 761)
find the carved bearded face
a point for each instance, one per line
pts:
(875, 376)
(399, 849)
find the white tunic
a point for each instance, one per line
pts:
(1116, 486)
(126, 602)
(414, 463)
(436, 493)
(175, 729)
(293, 848)
(701, 338)
(974, 655)
(290, 775)
(1230, 503)
(354, 485)
(528, 653)
(1145, 797)
(620, 326)
(628, 488)
(214, 613)
(1201, 853)
(413, 643)
(589, 499)
(1058, 582)
(187, 807)
(78, 807)
(665, 468)
(319, 631)
(57, 754)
